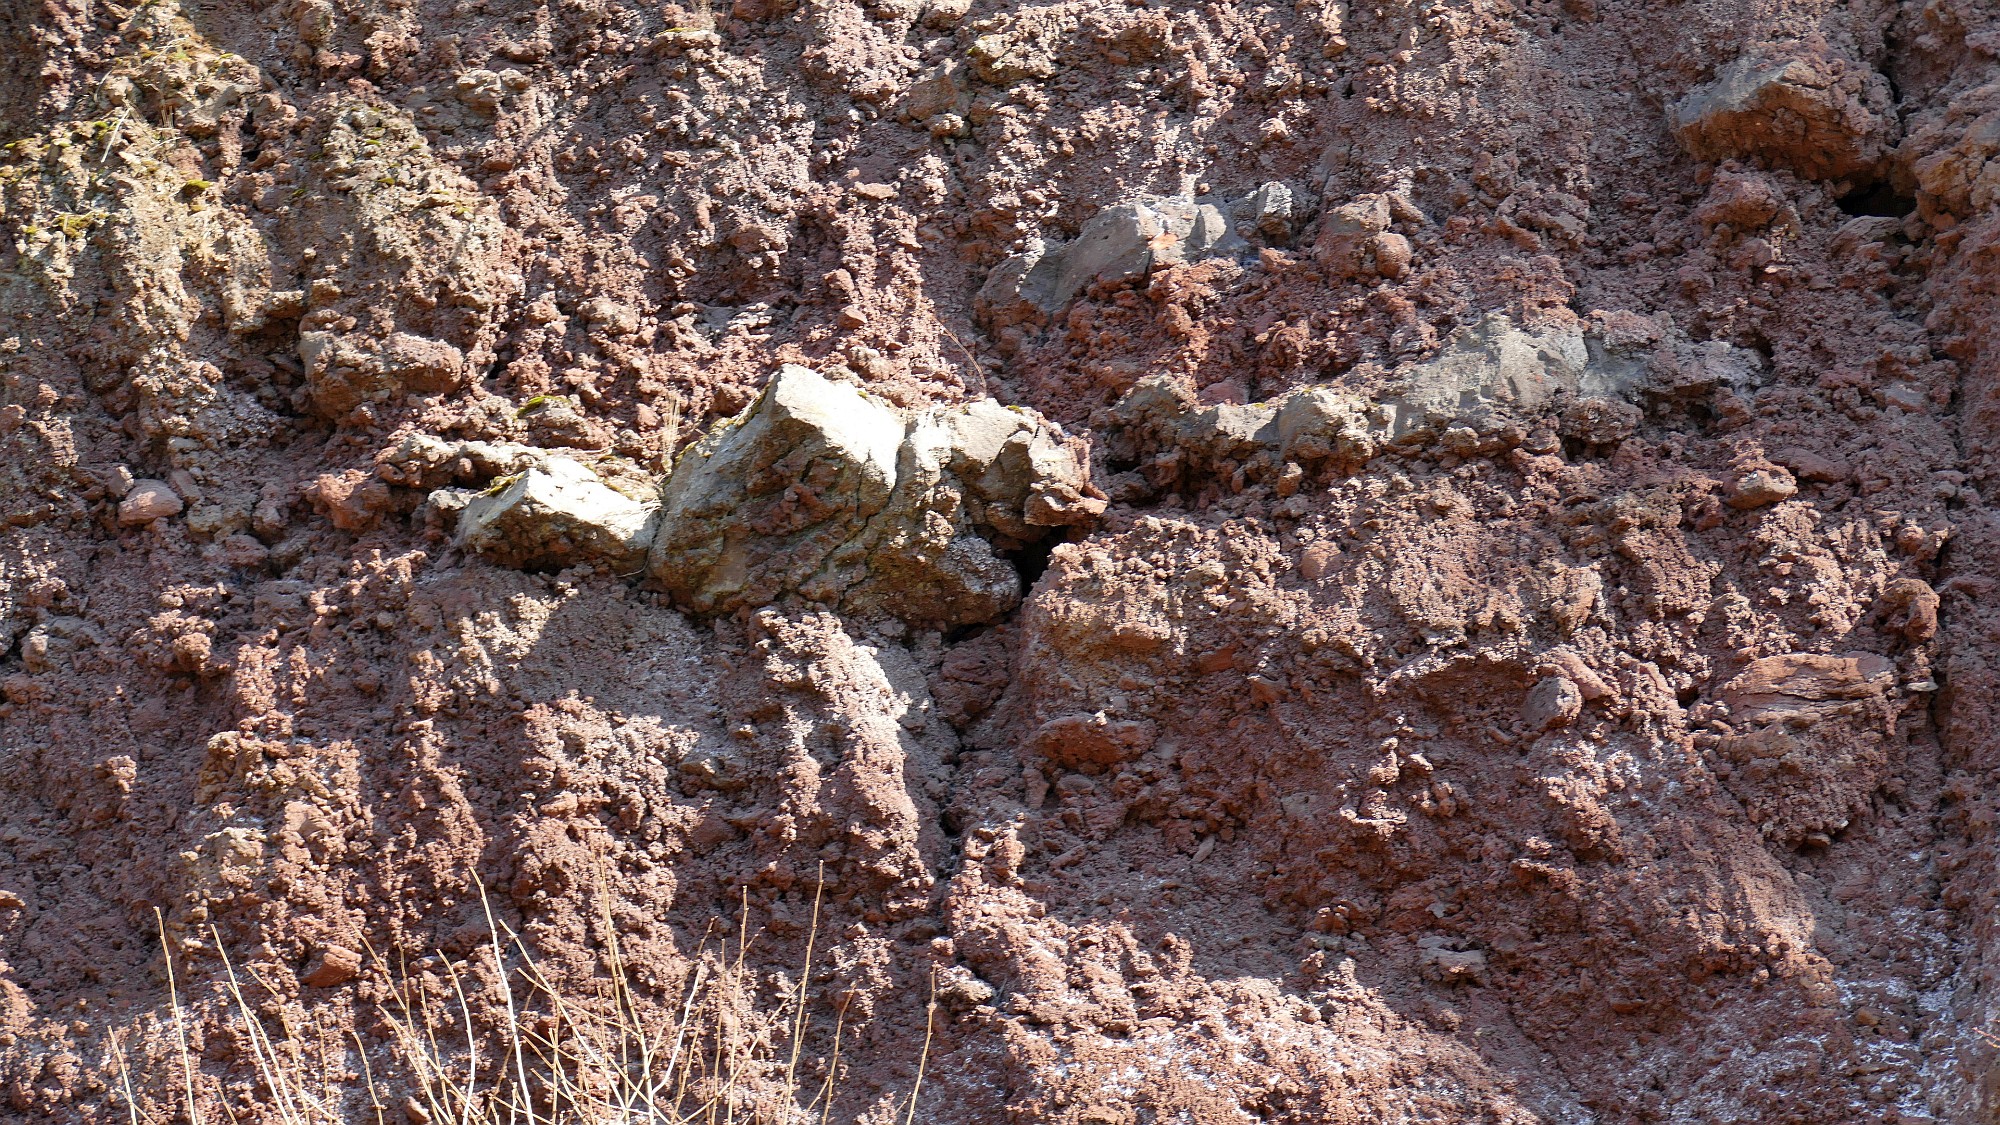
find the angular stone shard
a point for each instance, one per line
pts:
(1120, 243)
(823, 491)
(1490, 378)
(1823, 118)
(1017, 474)
(1761, 486)
(557, 515)
(1270, 210)
(772, 500)
(1352, 235)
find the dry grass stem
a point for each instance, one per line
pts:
(588, 1053)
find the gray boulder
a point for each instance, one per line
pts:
(1271, 211)
(1319, 424)
(1488, 370)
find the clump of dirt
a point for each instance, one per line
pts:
(1332, 562)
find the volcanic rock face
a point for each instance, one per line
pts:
(1212, 562)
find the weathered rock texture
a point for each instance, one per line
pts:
(1304, 563)
(823, 491)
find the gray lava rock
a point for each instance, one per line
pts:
(1120, 243)
(1320, 424)
(1491, 369)
(1271, 211)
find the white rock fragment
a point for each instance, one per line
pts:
(482, 90)
(1017, 474)
(149, 500)
(767, 501)
(1439, 959)
(1271, 210)
(1319, 424)
(557, 515)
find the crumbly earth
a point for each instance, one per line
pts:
(1615, 747)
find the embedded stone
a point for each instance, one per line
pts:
(822, 491)
(1823, 118)
(343, 372)
(147, 501)
(772, 499)
(332, 965)
(1555, 701)
(556, 515)
(1760, 487)
(1119, 243)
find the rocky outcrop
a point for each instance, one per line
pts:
(818, 489)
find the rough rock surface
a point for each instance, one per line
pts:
(1534, 657)
(555, 515)
(1128, 242)
(1822, 117)
(821, 490)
